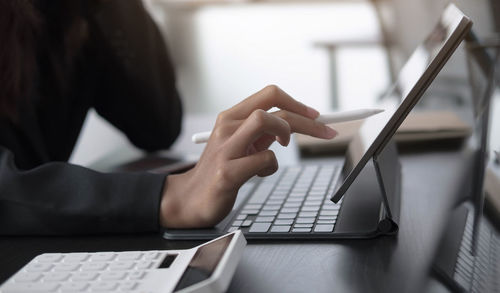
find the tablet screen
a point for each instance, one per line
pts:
(413, 79)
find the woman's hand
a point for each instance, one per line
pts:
(236, 151)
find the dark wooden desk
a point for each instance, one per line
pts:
(432, 181)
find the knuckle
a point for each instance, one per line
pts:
(222, 116)
(259, 116)
(284, 115)
(219, 133)
(272, 89)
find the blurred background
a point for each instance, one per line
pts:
(332, 55)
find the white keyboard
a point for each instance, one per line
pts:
(130, 271)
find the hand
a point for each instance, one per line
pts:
(236, 151)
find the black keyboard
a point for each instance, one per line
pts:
(295, 200)
(479, 272)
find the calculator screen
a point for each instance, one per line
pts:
(204, 262)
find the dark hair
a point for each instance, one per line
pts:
(19, 23)
(49, 30)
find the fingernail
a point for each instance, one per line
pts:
(330, 132)
(312, 113)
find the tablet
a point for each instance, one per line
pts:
(413, 80)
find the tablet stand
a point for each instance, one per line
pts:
(388, 170)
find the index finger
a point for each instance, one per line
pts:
(267, 98)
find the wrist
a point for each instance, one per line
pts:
(169, 206)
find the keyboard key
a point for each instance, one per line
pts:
(232, 229)
(261, 193)
(259, 227)
(55, 277)
(317, 194)
(49, 257)
(121, 265)
(94, 266)
(464, 282)
(271, 207)
(241, 217)
(67, 267)
(74, 287)
(113, 275)
(323, 228)
(39, 267)
(465, 258)
(331, 207)
(250, 212)
(30, 287)
(268, 213)
(303, 225)
(253, 207)
(264, 219)
(136, 275)
(104, 286)
(150, 255)
(279, 192)
(305, 221)
(280, 229)
(277, 197)
(84, 276)
(312, 203)
(76, 257)
(144, 265)
(294, 199)
(287, 216)
(292, 205)
(318, 190)
(283, 222)
(330, 222)
(247, 223)
(237, 223)
(310, 208)
(289, 210)
(301, 230)
(27, 277)
(326, 218)
(328, 213)
(308, 214)
(129, 255)
(312, 198)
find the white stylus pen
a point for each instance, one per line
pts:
(344, 116)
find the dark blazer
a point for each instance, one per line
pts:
(123, 71)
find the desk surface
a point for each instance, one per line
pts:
(431, 182)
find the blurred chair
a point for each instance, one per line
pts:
(403, 25)
(390, 18)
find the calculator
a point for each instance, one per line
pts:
(205, 268)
